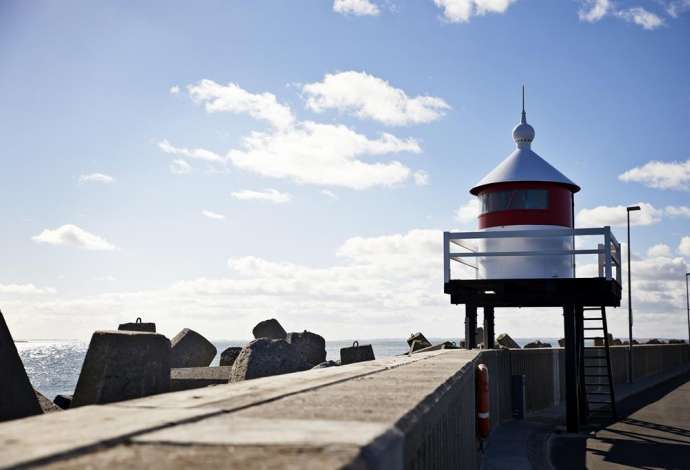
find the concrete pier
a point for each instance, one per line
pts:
(406, 412)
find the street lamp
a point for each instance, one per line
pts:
(687, 300)
(630, 317)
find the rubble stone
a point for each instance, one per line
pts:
(190, 349)
(310, 345)
(270, 328)
(537, 344)
(138, 325)
(265, 357)
(17, 397)
(227, 357)
(504, 340)
(122, 365)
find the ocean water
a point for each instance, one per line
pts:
(53, 366)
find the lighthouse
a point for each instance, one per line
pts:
(525, 192)
(523, 255)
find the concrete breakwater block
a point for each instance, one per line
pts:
(17, 397)
(63, 401)
(505, 341)
(228, 357)
(356, 353)
(122, 365)
(196, 377)
(138, 325)
(265, 357)
(537, 344)
(46, 405)
(269, 329)
(325, 365)
(190, 349)
(418, 341)
(310, 345)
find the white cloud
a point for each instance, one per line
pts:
(460, 11)
(356, 7)
(421, 178)
(174, 90)
(212, 215)
(25, 289)
(661, 175)
(180, 167)
(234, 99)
(677, 211)
(370, 97)
(377, 286)
(197, 153)
(641, 17)
(617, 216)
(96, 178)
(675, 7)
(684, 246)
(659, 250)
(468, 212)
(329, 193)
(71, 235)
(323, 154)
(594, 10)
(270, 195)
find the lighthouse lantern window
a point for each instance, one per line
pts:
(520, 199)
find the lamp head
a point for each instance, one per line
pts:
(633, 208)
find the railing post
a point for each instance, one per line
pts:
(446, 259)
(607, 251)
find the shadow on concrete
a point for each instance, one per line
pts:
(631, 441)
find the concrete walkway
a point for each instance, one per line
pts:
(653, 433)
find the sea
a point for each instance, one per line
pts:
(53, 366)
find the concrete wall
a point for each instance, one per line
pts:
(444, 436)
(408, 412)
(542, 366)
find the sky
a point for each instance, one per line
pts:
(212, 164)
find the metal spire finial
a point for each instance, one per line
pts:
(524, 115)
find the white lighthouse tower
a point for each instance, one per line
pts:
(525, 192)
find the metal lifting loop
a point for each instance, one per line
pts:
(355, 344)
(138, 319)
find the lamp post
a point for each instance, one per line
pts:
(687, 300)
(630, 317)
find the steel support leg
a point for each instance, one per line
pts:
(489, 328)
(470, 326)
(580, 334)
(571, 370)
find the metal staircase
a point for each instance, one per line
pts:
(597, 379)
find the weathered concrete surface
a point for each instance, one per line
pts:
(63, 401)
(126, 428)
(653, 433)
(418, 341)
(121, 365)
(270, 328)
(81, 429)
(265, 357)
(356, 353)
(506, 341)
(46, 405)
(190, 349)
(310, 345)
(17, 397)
(138, 325)
(196, 377)
(229, 355)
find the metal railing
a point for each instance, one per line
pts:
(608, 252)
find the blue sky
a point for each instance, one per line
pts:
(367, 122)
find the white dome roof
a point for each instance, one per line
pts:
(523, 165)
